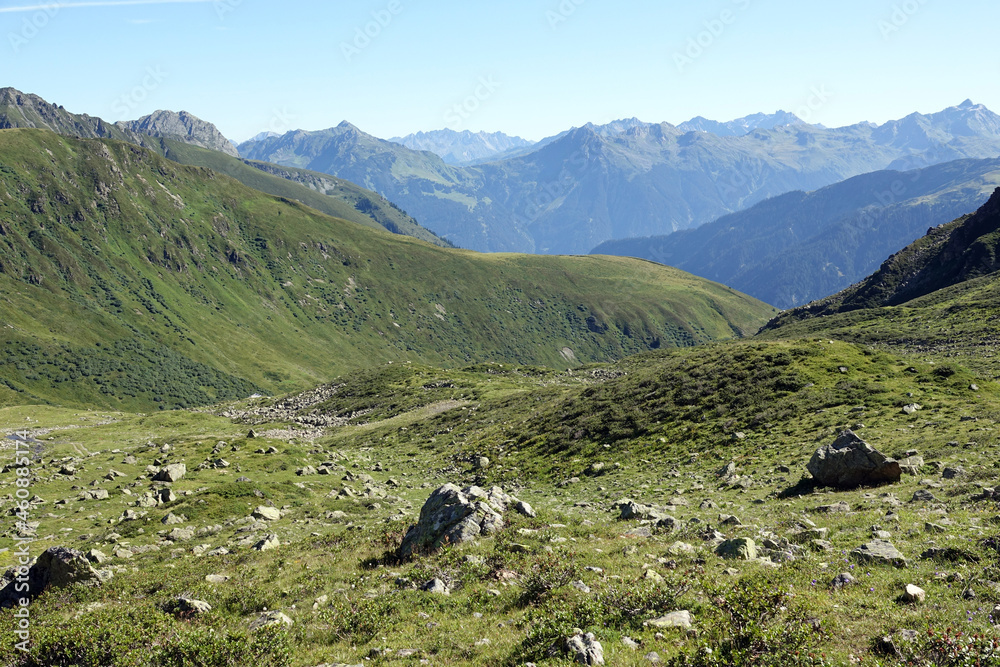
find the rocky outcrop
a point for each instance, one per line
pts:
(850, 462)
(452, 515)
(184, 127)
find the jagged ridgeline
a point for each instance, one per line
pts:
(189, 140)
(131, 281)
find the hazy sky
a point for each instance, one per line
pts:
(526, 67)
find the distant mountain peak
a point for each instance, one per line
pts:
(967, 104)
(741, 126)
(182, 126)
(463, 147)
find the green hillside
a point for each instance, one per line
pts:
(183, 138)
(333, 196)
(132, 281)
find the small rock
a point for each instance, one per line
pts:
(675, 619)
(436, 586)
(267, 513)
(269, 618)
(913, 594)
(584, 649)
(191, 606)
(171, 473)
(266, 544)
(880, 551)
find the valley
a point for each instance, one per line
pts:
(711, 394)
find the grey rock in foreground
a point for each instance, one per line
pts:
(849, 462)
(584, 649)
(171, 473)
(452, 515)
(880, 551)
(57, 567)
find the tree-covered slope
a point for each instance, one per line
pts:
(122, 271)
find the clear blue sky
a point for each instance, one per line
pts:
(251, 65)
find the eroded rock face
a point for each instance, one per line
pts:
(452, 515)
(849, 462)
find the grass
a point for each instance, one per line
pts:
(663, 423)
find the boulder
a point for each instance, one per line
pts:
(630, 510)
(266, 544)
(436, 586)
(192, 607)
(171, 473)
(741, 548)
(913, 594)
(584, 649)
(269, 618)
(57, 567)
(452, 515)
(849, 462)
(524, 509)
(880, 551)
(267, 513)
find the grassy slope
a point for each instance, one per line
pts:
(662, 422)
(107, 242)
(345, 203)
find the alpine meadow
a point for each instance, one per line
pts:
(536, 334)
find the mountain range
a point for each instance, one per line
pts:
(190, 140)
(799, 247)
(593, 184)
(459, 148)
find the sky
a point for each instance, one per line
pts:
(531, 68)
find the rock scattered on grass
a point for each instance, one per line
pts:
(849, 462)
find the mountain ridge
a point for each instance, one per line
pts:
(798, 247)
(591, 184)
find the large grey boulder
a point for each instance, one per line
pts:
(452, 515)
(880, 551)
(171, 473)
(849, 462)
(57, 567)
(584, 649)
(629, 510)
(741, 548)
